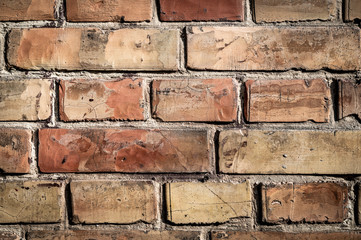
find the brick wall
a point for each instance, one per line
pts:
(175, 119)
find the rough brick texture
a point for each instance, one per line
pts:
(15, 150)
(201, 10)
(8, 236)
(30, 202)
(28, 100)
(113, 150)
(287, 100)
(108, 10)
(349, 97)
(207, 202)
(310, 202)
(261, 48)
(293, 10)
(113, 202)
(289, 152)
(352, 10)
(95, 100)
(11, 10)
(208, 100)
(114, 235)
(93, 49)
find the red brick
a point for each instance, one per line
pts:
(273, 48)
(201, 10)
(93, 49)
(352, 10)
(11, 10)
(113, 235)
(113, 150)
(108, 10)
(208, 100)
(349, 99)
(234, 235)
(94, 100)
(287, 100)
(15, 150)
(309, 202)
(113, 202)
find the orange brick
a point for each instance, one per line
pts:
(11, 10)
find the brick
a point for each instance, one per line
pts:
(8, 236)
(293, 10)
(114, 150)
(189, 202)
(28, 100)
(287, 101)
(349, 99)
(266, 48)
(352, 10)
(235, 235)
(15, 150)
(11, 10)
(113, 202)
(108, 10)
(201, 10)
(307, 202)
(95, 100)
(93, 49)
(289, 152)
(208, 100)
(113, 235)
(358, 213)
(30, 202)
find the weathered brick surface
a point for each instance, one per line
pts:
(349, 99)
(8, 236)
(30, 202)
(93, 49)
(262, 48)
(208, 100)
(289, 152)
(201, 10)
(94, 100)
(114, 235)
(11, 10)
(108, 10)
(234, 235)
(189, 202)
(113, 150)
(113, 202)
(15, 150)
(309, 202)
(293, 10)
(352, 10)
(28, 100)
(287, 100)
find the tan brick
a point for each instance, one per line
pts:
(8, 236)
(115, 150)
(208, 100)
(215, 10)
(349, 99)
(11, 10)
(113, 202)
(189, 202)
(352, 10)
(266, 48)
(289, 152)
(287, 100)
(108, 10)
(15, 150)
(293, 10)
(235, 235)
(28, 100)
(309, 202)
(30, 202)
(93, 49)
(94, 100)
(113, 235)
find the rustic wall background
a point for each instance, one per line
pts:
(180, 119)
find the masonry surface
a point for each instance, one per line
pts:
(180, 120)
